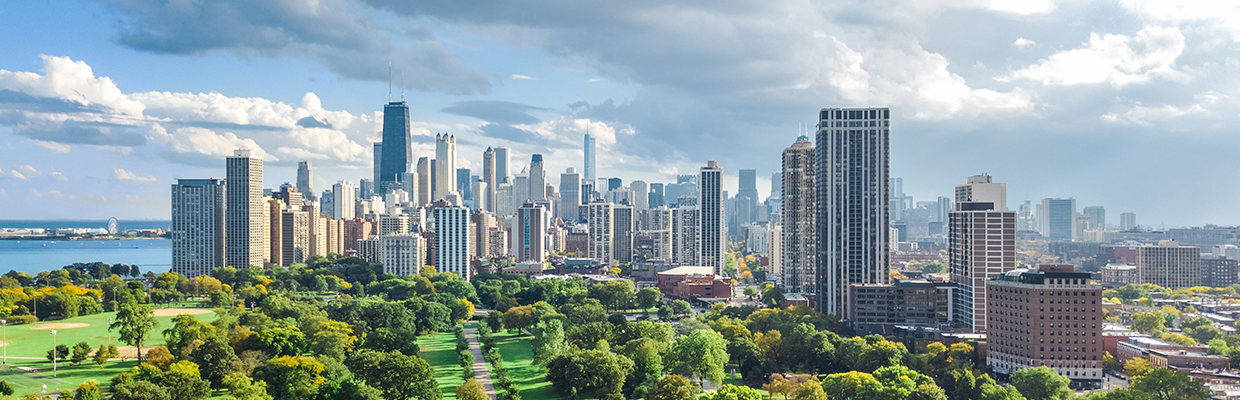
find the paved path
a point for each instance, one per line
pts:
(481, 373)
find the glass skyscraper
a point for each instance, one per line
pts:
(397, 149)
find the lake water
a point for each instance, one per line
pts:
(32, 256)
(65, 224)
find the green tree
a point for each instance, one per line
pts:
(242, 387)
(589, 373)
(184, 331)
(387, 339)
(60, 352)
(1165, 384)
(701, 353)
(1042, 383)
(471, 390)
(105, 353)
(672, 387)
(681, 309)
(278, 341)
(88, 390)
(6, 389)
(750, 292)
(548, 341)
(292, 378)
(933, 268)
(332, 338)
(1148, 323)
(996, 392)
(733, 392)
(81, 352)
(852, 385)
(135, 322)
(349, 389)
(519, 317)
(647, 298)
(1136, 366)
(397, 375)
(216, 360)
(183, 382)
(140, 390)
(813, 392)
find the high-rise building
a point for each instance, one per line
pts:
(397, 146)
(343, 202)
(1035, 321)
(410, 185)
(445, 166)
(853, 221)
(463, 186)
(1025, 220)
(981, 246)
(777, 183)
(484, 223)
(660, 227)
(655, 198)
(775, 250)
(800, 274)
(981, 189)
(296, 237)
(713, 240)
(640, 198)
(897, 200)
(244, 237)
(424, 182)
(378, 170)
(1058, 219)
(520, 189)
(589, 173)
(685, 234)
(481, 195)
(502, 161)
(537, 178)
(403, 253)
(1127, 221)
(1218, 271)
(489, 175)
(367, 188)
(622, 233)
(530, 230)
(1169, 265)
(198, 209)
(570, 195)
(452, 239)
(1097, 216)
(275, 229)
(599, 222)
(305, 177)
(748, 184)
(504, 200)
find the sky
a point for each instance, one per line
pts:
(1130, 105)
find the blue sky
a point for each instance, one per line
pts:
(1130, 105)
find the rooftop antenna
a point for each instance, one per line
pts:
(402, 84)
(389, 81)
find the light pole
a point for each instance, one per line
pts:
(54, 355)
(109, 331)
(5, 323)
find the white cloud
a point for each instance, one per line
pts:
(129, 176)
(570, 130)
(515, 76)
(3, 194)
(592, 80)
(301, 154)
(24, 172)
(1021, 7)
(205, 141)
(57, 148)
(17, 175)
(1023, 43)
(1224, 14)
(59, 176)
(1147, 116)
(70, 80)
(1117, 59)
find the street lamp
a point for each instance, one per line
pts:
(54, 355)
(5, 323)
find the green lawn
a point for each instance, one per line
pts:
(519, 359)
(439, 350)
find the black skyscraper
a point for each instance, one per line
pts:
(397, 149)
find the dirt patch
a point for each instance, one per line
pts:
(3, 343)
(59, 325)
(130, 352)
(172, 312)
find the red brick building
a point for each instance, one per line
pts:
(1050, 317)
(694, 282)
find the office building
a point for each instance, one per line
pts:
(484, 223)
(1218, 272)
(712, 242)
(423, 198)
(275, 230)
(1025, 220)
(853, 200)
(296, 237)
(623, 225)
(599, 220)
(686, 226)
(343, 201)
(492, 180)
(244, 220)
(397, 146)
(880, 307)
(1048, 317)
(1169, 265)
(589, 173)
(378, 170)
(981, 246)
(502, 161)
(481, 197)
(981, 189)
(504, 199)
(530, 229)
(537, 179)
(1057, 218)
(1097, 216)
(570, 195)
(641, 201)
(452, 241)
(402, 254)
(1127, 221)
(655, 198)
(305, 177)
(198, 209)
(366, 188)
(445, 166)
(799, 217)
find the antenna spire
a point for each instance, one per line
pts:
(402, 84)
(389, 81)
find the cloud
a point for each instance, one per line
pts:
(59, 176)
(24, 172)
(1021, 7)
(129, 176)
(1221, 14)
(335, 33)
(592, 80)
(1023, 43)
(1116, 59)
(1142, 115)
(503, 112)
(515, 76)
(301, 154)
(18, 175)
(71, 81)
(57, 148)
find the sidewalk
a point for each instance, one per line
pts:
(481, 373)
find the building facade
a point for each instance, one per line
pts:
(531, 233)
(599, 222)
(452, 240)
(1218, 272)
(1169, 265)
(981, 246)
(622, 225)
(799, 217)
(397, 147)
(1049, 317)
(1057, 218)
(197, 232)
(402, 254)
(712, 238)
(244, 211)
(445, 167)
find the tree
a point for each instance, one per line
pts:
(242, 387)
(750, 292)
(589, 373)
(672, 387)
(519, 317)
(216, 361)
(815, 392)
(60, 352)
(933, 268)
(81, 352)
(397, 375)
(292, 378)
(1179, 339)
(1165, 384)
(386, 339)
(701, 353)
(183, 382)
(647, 298)
(548, 341)
(1136, 366)
(135, 322)
(471, 390)
(278, 341)
(140, 390)
(852, 385)
(184, 331)
(88, 390)
(104, 353)
(681, 309)
(1042, 383)
(733, 392)
(332, 338)
(6, 389)
(1148, 323)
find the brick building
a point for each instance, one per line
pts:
(1115, 275)
(693, 281)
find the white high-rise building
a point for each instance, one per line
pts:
(641, 197)
(713, 239)
(981, 189)
(853, 219)
(590, 173)
(599, 221)
(1127, 221)
(402, 254)
(537, 179)
(343, 202)
(445, 166)
(490, 177)
(197, 226)
(685, 237)
(482, 195)
(244, 213)
(424, 182)
(1057, 218)
(452, 240)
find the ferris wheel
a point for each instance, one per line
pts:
(113, 226)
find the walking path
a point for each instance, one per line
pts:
(481, 373)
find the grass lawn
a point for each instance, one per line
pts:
(439, 350)
(519, 359)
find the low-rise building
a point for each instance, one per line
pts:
(1218, 271)
(694, 282)
(1187, 359)
(527, 268)
(1115, 275)
(878, 308)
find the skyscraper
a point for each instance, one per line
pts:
(531, 233)
(599, 222)
(1169, 265)
(462, 183)
(343, 204)
(1127, 221)
(570, 195)
(685, 234)
(397, 148)
(748, 184)
(981, 189)
(622, 233)
(378, 170)
(445, 166)
(197, 226)
(452, 240)
(799, 213)
(244, 211)
(590, 174)
(538, 178)
(853, 219)
(424, 182)
(981, 246)
(713, 242)
(655, 198)
(641, 198)
(1057, 218)
(305, 177)
(489, 175)
(502, 161)
(1097, 215)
